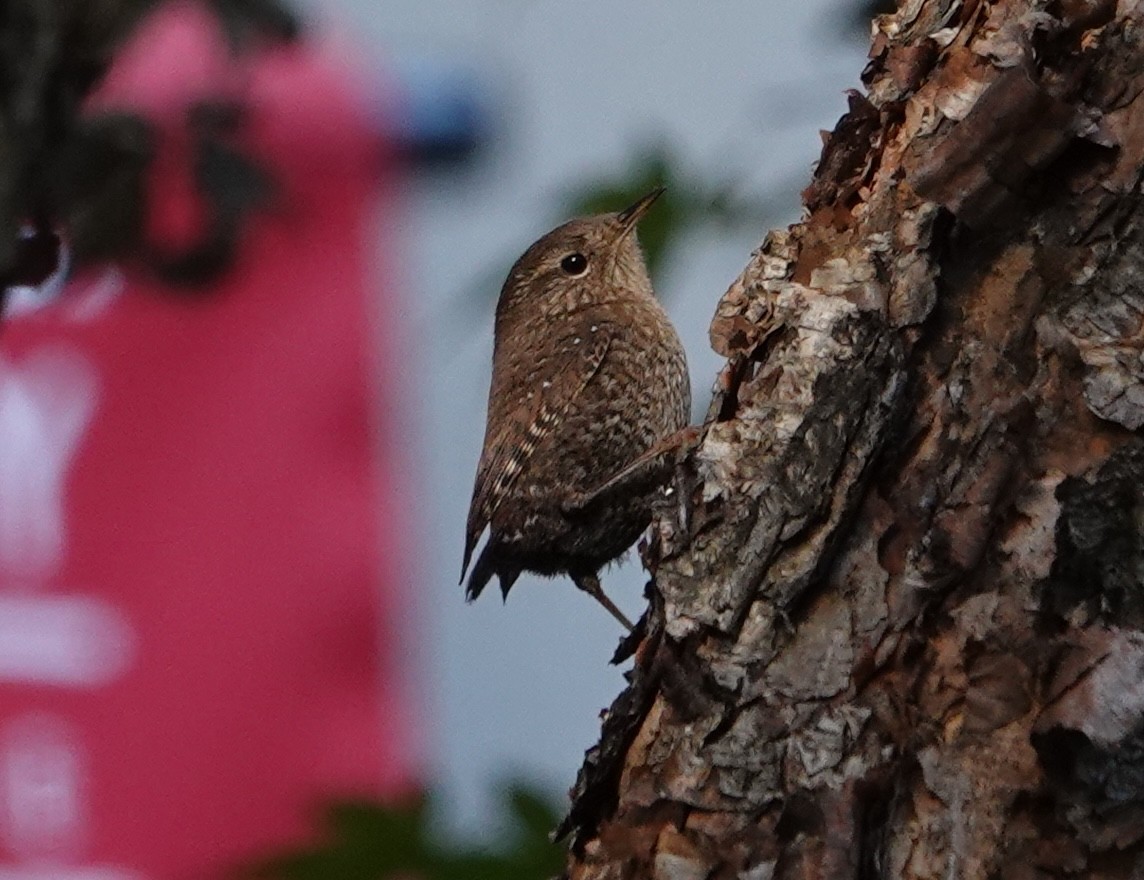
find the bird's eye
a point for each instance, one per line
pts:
(574, 264)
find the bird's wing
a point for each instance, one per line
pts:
(503, 461)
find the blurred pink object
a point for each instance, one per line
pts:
(194, 520)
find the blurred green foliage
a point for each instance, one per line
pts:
(59, 169)
(856, 18)
(691, 200)
(364, 840)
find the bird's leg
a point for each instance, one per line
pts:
(682, 486)
(641, 470)
(590, 584)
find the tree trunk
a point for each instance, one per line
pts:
(900, 630)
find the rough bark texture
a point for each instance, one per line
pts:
(901, 631)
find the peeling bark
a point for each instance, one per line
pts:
(901, 633)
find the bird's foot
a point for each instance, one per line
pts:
(648, 468)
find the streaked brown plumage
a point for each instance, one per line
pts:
(588, 374)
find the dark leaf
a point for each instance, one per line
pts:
(364, 840)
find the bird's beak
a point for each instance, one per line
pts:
(630, 216)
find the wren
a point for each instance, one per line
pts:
(588, 377)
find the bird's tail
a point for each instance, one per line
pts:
(484, 569)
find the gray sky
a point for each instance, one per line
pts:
(739, 87)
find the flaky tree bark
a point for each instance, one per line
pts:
(901, 632)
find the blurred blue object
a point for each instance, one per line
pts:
(443, 110)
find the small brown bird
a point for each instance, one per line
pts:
(588, 375)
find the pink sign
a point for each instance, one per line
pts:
(194, 521)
